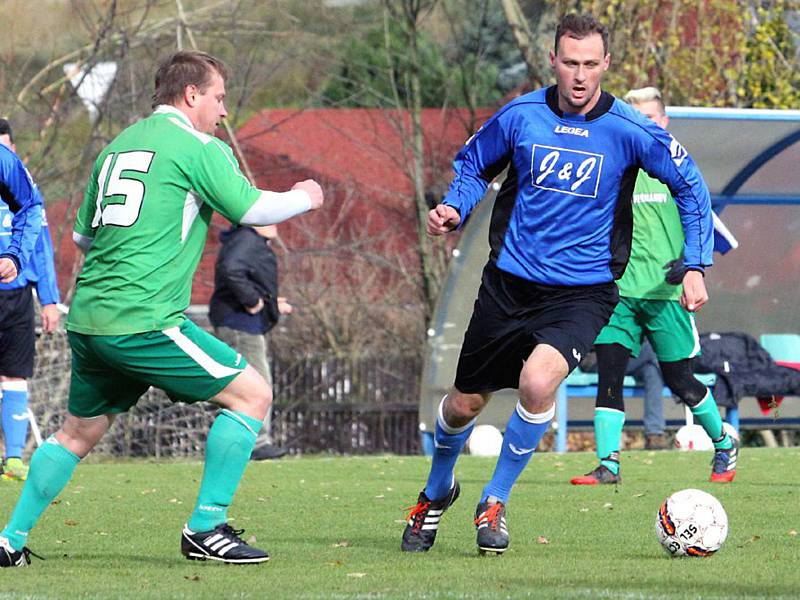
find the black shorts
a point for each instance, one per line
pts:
(512, 315)
(17, 335)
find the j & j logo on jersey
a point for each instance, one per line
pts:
(677, 152)
(567, 171)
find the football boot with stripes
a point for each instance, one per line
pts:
(723, 465)
(602, 474)
(14, 558)
(222, 544)
(423, 519)
(490, 520)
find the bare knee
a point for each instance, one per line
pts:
(537, 392)
(80, 435)
(540, 377)
(249, 393)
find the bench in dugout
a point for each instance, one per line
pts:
(575, 401)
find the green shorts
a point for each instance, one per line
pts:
(111, 372)
(670, 329)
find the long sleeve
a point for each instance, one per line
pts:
(17, 191)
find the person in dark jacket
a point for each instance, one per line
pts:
(245, 305)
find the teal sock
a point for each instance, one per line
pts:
(51, 468)
(230, 443)
(608, 424)
(707, 415)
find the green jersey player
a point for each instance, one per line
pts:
(143, 224)
(649, 306)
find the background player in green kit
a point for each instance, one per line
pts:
(650, 307)
(143, 225)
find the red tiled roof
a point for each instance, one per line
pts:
(369, 148)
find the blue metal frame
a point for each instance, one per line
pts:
(758, 161)
(728, 194)
(732, 114)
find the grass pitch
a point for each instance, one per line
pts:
(333, 527)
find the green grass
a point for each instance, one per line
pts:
(333, 526)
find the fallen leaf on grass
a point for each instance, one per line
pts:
(754, 538)
(71, 522)
(192, 577)
(584, 510)
(380, 497)
(251, 540)
(542, 540)
(608, 505)
(638, 495)
(342, 544)
(358, 575)
(793, 532)
(150, 491)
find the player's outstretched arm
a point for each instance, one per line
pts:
(276, 207)
(694, 294)
(442, 219)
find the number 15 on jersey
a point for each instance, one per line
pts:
(111, 183)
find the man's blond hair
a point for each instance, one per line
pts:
(645, 94)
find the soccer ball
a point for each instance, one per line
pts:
(485, 440)
(691, 523)
(694, 437)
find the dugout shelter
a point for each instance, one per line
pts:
(750, 159)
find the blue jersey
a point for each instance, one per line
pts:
(18, 192)
(40, 269)
(563, 215)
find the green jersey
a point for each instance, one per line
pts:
(147, 208)
(657, 239)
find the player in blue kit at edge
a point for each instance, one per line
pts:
(17, 191)
(560, 235)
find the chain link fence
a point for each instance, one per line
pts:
(361, 405)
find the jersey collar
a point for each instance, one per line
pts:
(602, 107)
(168, 109)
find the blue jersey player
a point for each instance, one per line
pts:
(17, 334)
(18, 193)
(560, 235)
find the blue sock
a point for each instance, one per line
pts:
(523, 433)
(448, 442)
(15, 416)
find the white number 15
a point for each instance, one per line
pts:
(125, 213)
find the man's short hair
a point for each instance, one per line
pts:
(645, 94)
(579, 26)
(185, 68)
(5, 129)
